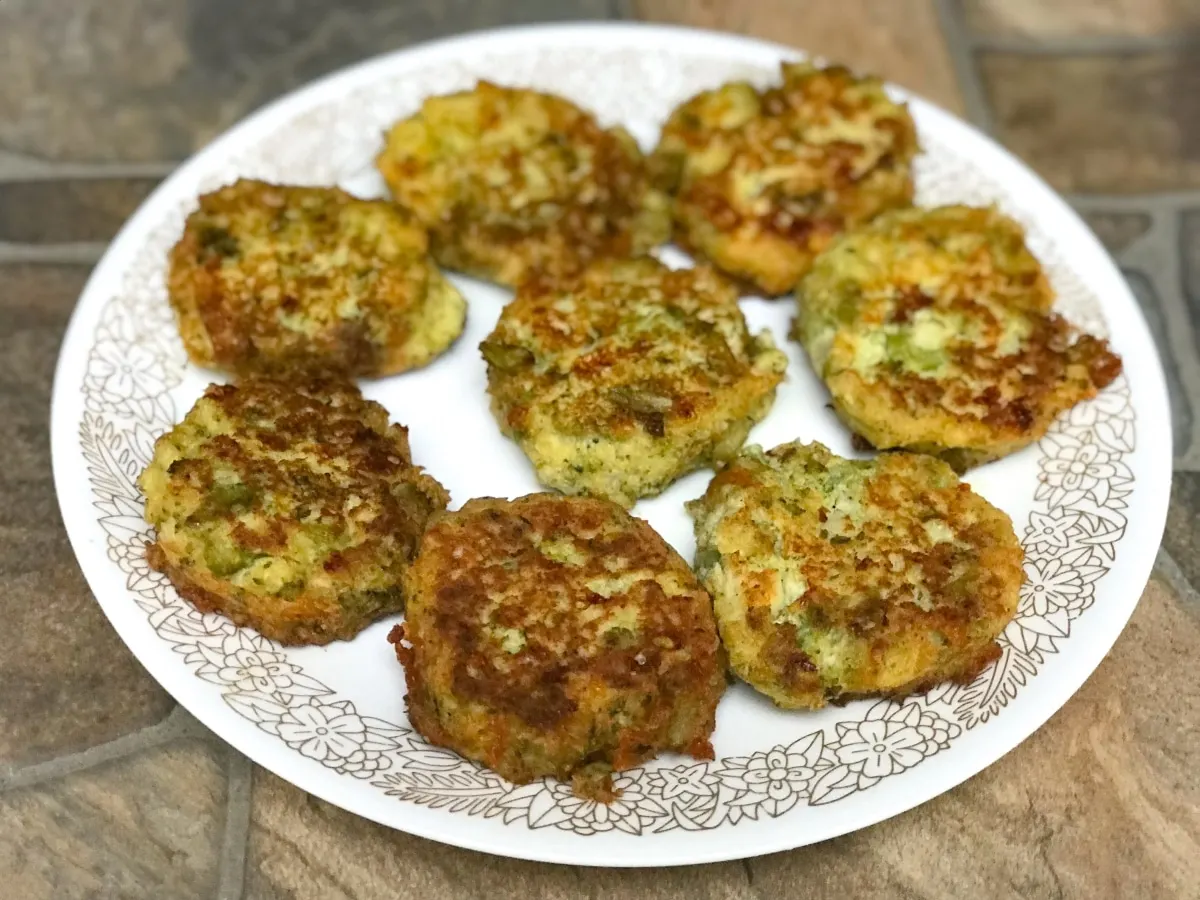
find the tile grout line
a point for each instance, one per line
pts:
(18, 168)
(239, 782)
(622, 9)
(1161, 200)
(69, 253)
(1084, 44)
(178, 724)
(960, 46)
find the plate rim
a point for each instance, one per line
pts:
(180, 682)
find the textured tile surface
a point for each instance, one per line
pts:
(1101, 803)
(302, 847)
(1057, 18)
(1112, 124)
(47, 211)
(145, 827)
(899, 39)
(66, 679)
(142, 80)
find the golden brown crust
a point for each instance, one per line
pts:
(274, 278)
(294, 509)
(764, 180)
(834, 579)
(513, 183)
(618, 382)
(932, 331)
(557, 636)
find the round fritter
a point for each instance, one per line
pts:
(294, 509)
(764, 180)
(617, 383)
(931, 330)
(269, 278)
(836, 578)
(557, 636)
(514, 182)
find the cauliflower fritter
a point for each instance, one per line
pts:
(269, 278)
(557, 636)
(932, 332)
(764, 180)
(619, 382)
(834, 579)
(513, 182)
(294, 509)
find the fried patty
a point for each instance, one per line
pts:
(618, 382)
(932, 332)
(514, 182)
(292, 508)
(557, 636)
(764, 180)
(834, 579)
(269, 278)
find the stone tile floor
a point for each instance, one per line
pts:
(107, 789)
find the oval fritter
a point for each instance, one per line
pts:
(834, 578)
(514, 182)
(294, 509)
(932, 332)
(269, 278)
(764, 180)
(557, 636)
(617, 383)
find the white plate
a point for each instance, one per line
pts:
(1090, 500)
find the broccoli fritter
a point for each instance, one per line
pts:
(764, 180)
(514, 182)
(619, 382)
(558, 636)
(269, 278)
(834, 579)
(932, 332)
(292, 508)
